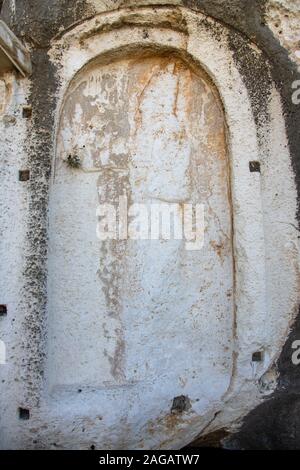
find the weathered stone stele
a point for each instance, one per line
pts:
(133, 320)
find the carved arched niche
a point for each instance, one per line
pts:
(161, 114)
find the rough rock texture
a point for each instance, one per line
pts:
(283, 20)
(274, 27)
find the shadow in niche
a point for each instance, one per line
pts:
(210, 441)
(275, 424)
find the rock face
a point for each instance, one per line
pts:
(149, 240)
(283, 20)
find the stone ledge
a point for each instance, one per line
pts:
(12, 52)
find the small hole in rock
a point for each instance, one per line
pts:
(92, 447)
(3, 310)
(180, 404)
(257, 356)
(24, 414)
(254, 166)
(27, 112)
(24, 175)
